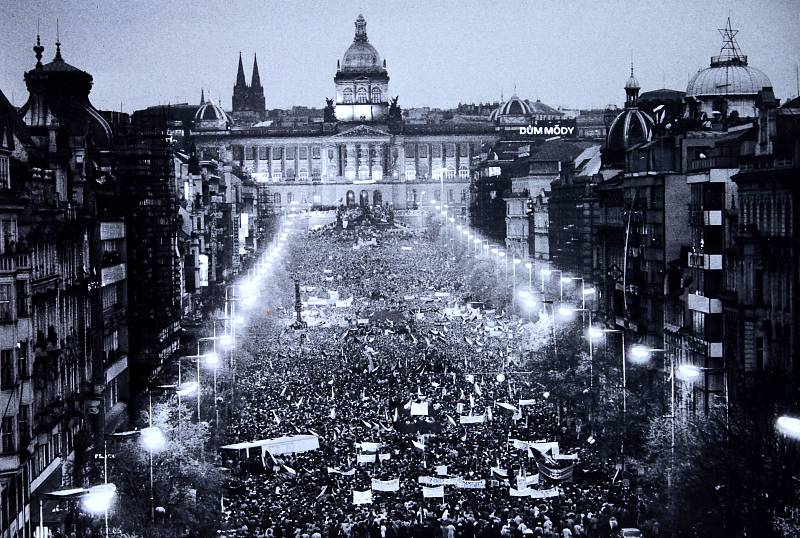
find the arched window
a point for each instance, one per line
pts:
(376, 95)
(361, 95)
(351, 198)
(347, 95)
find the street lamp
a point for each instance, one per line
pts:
(94, 499)
(788, 426)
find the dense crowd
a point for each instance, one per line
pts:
(406, 339)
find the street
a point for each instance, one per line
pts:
(430, 412)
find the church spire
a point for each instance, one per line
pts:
(631, 90)
(255, 80)
(202, 96)
(240, 81)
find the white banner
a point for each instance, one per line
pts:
(524, 482)
(362, 497)
(477, 419)
(433, 492)
(386, 485)
(369, 447)
(471, 484)
(366, 458)
(419, 409)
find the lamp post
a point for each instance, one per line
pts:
(515, 262)
(547, 273)
(529, 267)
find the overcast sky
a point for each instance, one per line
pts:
(438, 53)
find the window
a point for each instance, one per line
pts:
(303, 174)
(463, 150)
(6, 296)
(277, 154)
(303, 153)
(347, 95)
(423, 151)
(315, 152)
(411, 175)
(450, 150)
(238, 153)
(5, 173)
(436, 151)
(263, 152)
(361, 95)
(22, 359)
(330, 154)
(7, 434)
(410, 151)
(290, 153)
(22, 299)
(24, 424)
(248, 153)
(463, 173)
(7, 379)
(376, 95)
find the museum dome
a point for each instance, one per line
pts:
(361, 55)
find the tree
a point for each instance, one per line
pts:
(732, 476)
(185, 486)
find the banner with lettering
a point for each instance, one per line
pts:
(386, 485)
(362, 497)
(477, 419)
(555, 473)
(470, 484)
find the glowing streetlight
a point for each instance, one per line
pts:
(596, 333)
(689, 371)
(152, 438)
(97, 499)
(788, 426)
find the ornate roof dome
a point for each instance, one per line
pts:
(361, 56)
(211, 116)
(729, 73)
(632, 126)
(727, 78)
(516, 107)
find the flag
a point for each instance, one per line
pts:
(451, 420)
(396, 415)
(362, 497)
(290, 470)
(333, 412)
(277, 420)
(418, 445)
(508, 406)
(321, 493)
(441, 470)
(437, 491)
(478, 389)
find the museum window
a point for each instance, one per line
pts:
(303, 152)
(463, 150)
(277, 153)
(422, 149)
(248, 153)
(303, 174)
(263, 153)
(410, 151)
(436, 150)
(315, 152)
(347, 96)
(450, 150)
(361, 95)
(376, 95)
(290, 153)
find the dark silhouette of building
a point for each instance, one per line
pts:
(249, 104)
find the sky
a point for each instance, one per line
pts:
(573, 53)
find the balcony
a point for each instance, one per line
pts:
(710, 163)
(12, 263)
(699, 260)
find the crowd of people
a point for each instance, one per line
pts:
(383, 379)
